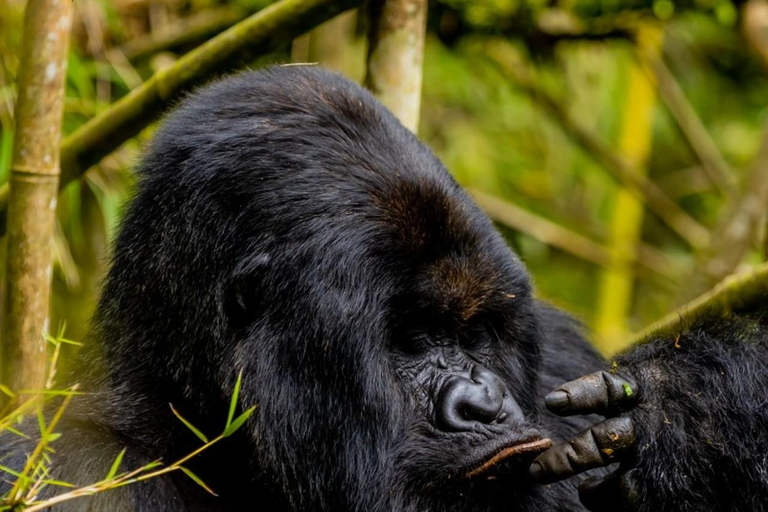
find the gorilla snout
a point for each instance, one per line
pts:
(479, 398)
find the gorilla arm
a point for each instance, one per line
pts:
(687, 421)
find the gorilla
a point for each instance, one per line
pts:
(286, 227)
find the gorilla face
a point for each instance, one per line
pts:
(287, 226)
(463, 340)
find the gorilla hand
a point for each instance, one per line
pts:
(608, 442)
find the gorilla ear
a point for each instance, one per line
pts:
(242, 293)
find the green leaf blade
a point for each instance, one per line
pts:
(238, 422)
(41, 423)
(116, 465)
(197, 480)
(189, 425)
(233, 402)
(58, 483)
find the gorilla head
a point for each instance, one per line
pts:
(287, 226)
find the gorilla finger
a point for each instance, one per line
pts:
(616, 492)
(599, 392)
(611, 441)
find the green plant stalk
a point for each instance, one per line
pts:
(735, 294)
(126, 479)
(191, 30)
(82, 491)
(16, 490)
(396, 54)
(232, 425)
(33, 183)
(176, 465)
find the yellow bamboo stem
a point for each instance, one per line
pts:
(616, 285)
(33, 189)
(395, 56)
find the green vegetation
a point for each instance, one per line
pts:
(28, 484)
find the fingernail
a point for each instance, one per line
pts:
(556, 400)
(536, 471)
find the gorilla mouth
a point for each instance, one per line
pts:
(516, 452)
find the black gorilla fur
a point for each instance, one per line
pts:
(287, 226)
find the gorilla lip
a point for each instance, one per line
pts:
(508, 452)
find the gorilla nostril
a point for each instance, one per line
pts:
(463, 403)
(480, 398)
(481, 409)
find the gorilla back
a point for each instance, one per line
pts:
(286, 226)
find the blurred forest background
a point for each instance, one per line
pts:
(619, 144)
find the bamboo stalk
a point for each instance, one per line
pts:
(735, 294)
(187, 31)
(34, 183)
(616, 284)
(754, 26)
(648, 259)
(261, 33)
(542, 229)
(395, 56)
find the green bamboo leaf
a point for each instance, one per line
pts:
(197, 480)
(51, 392)
(116, 465)
(41, 421)
(53, 436)
(51, 339)
(59, 338)
(191, 427)
(58, 483)
(16, 432)
(233, 402)
(70, 342)
(40, 471)
(238, 422)
(11, 472)
(152, 465)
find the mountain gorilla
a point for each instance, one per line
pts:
(286, 226)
